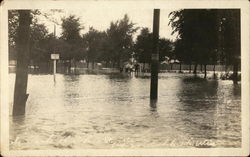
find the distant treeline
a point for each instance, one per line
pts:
(114, 45)
(205, 37)
(47, 67)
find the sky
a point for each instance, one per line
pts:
(100, 19)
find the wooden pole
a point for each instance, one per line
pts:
(23, 48)
(54, 61)
(54, 71)
(155, 56)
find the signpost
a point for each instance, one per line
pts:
(54, 57)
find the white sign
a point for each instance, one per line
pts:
(54, 56)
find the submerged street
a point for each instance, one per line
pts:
(114, 111)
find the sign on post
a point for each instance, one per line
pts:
(55, 56)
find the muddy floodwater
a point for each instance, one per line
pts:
(114, 111)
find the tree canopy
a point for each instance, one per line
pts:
(120, 39)
(143, 47)
(207, 36)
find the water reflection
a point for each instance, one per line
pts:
(198, 101)
(236, 90)
(89, 111)
(198, 95)
(71, 90)
(153, 105)
(203, 104)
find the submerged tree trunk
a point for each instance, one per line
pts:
(87, 64)
(69, 67)
(190, 68)
(195, 68)
(93, 64)
(180, 68)
(74, 62)
(143, 67)
(235, 73)
(205, 71)
(106, 64)
(23, 45)
(226, 67)
(214, 71)
(118, 64)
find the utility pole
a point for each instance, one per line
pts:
(155, 56)
(23, 48)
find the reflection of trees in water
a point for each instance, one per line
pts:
(124, 76)
(71, 90)
(236, 90)
(197, 107)
(73, 78)
(198, 94)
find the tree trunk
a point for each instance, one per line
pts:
(214, 71)
(235, 73)
(201, 67)
(205, 70)
(69, 67)
(143, 67)
(93, 64)
(118, 64)
(190, 68)
(65, 66)
(195, 68)
(226, 68)
(87, 64)
(180, 67)
(74, 64)
(23, 45)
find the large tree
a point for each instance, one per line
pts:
(165, 49)
(143, 47)
(38, 32)
(230, 39)
(120, 39)
(13, 19)
(94, 43)
(199, 31)
(71, 28)
(40, 48)
(23, 49)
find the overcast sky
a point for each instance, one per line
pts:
(100, 19)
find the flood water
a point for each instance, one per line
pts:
(114, 111)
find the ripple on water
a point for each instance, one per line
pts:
(113, 111)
